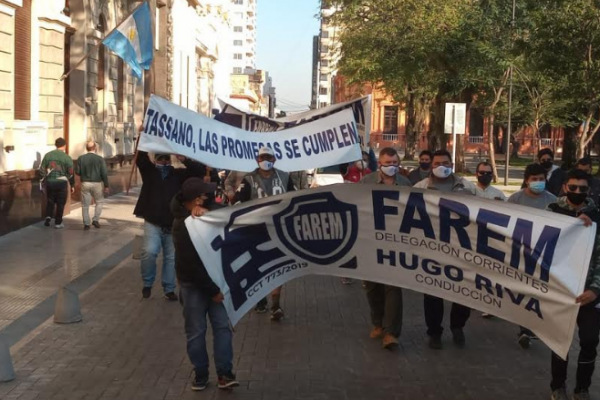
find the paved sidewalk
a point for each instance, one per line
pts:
(128, 348)
(38, 260)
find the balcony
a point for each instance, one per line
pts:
(390, 137)
(546, 142)
(475, 139)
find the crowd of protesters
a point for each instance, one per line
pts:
(169, 195)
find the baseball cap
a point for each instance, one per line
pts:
(195, 187)
(266, 150)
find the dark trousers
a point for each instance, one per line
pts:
(588, 321)
(434, 315)
(56, 192)
(386, 307)
(196, 306)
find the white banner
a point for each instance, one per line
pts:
(361, 108)
(518, 263)
(169, 128)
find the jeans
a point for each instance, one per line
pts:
(588, 321)
(196, 305)
(156, 237)
(91, 190)
(434, 315)
(56, 193)
(386, 307)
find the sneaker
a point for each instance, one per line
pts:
(59, 226)
(524, 341)
(96, 224)
(228, 381)
(171, 296)
(458, 336)
(277, 314)
(200, 383)
(146, 292)
(347, 281)
(583, 395)
(376, 332)
(86, 227)
(389, 342)
(435, 342)
(261, 308)
(47, 222)
(560, 394)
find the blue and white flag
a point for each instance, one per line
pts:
(132, 40)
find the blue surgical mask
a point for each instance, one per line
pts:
(537, 187)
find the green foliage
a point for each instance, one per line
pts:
(426, 52)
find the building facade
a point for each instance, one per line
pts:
(194, 53)
(326, 55)
(243, 29)
(388, 125)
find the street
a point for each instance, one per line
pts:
(129, 348)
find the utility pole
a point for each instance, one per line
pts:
(510, 93)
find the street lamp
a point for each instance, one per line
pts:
(510, 93)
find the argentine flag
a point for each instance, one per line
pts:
(132, 40)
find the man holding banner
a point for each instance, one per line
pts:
(265, 181)
(385, 301)
(443, 179)
(575, 203)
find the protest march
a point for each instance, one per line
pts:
(388, 199)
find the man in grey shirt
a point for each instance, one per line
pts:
(534, 194)
(417, 175)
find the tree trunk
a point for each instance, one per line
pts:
(491, 144)
(581, 145)
(537, 141)
(437, 138)
(569, 156)
(409, 150)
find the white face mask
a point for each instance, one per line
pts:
(266, 165)
(360, 165)
(442, 172)
(389, 170)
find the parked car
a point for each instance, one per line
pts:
(325, 176)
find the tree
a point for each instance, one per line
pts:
(565, 48)
(401, 45)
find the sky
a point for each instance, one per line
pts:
(284, 48)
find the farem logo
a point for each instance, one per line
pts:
(318, 227)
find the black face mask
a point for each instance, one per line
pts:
(425, 165)
(576, 198)
(546, 164)
(485, 179)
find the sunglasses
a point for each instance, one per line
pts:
(485, 173)
(582, 189)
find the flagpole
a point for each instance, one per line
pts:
(65, 75)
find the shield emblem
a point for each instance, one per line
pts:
(318, 227)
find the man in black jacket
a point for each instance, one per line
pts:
(554, 175)
(161, 182)
(576, 203)
(199, 294)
